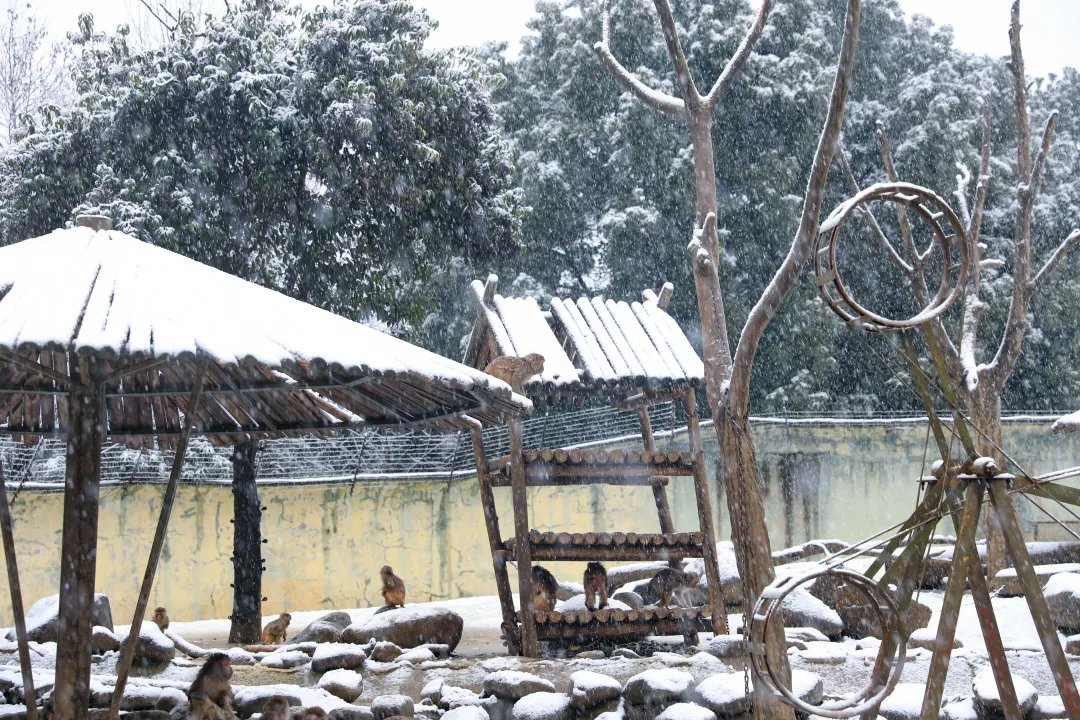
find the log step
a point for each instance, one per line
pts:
(652, 620)
(575, 466)
(610, 546)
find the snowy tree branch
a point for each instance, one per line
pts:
(691, 97)
(788, 272)
(654, 99)
(869, 215)
(901, 211)
(1016, 64)
(1054, 260)
(735, 64)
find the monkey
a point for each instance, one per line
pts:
(315, 713)
(595, 582)
(274, 632)
(210, 695)
(161, 619)
(515, 370)
(545, 586)
(276, 708)
(669, 580)
(393, 587)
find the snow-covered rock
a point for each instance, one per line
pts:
(249, 699)
(240, 656)
(417, 655)
(345, 684)
(904, 702)
(1062, 592)
(824, 653)
(337, 656)
(629, 598)
(327, 628)
(386, 706)
(589, 689)
(103, 640)
(801, 609)
(542, 706)
(624, 653)
(926, 638)
(152, 648)
(590, 655)
(726, 694)
(858, 615)
(432, 691)
(568, 590)
(468, 712)
(1008, 584)
(987, 700)
(1072, 645)
(686, 711)
(451, 697)
(287, 659)
(805, 634)
(727, 646)
(43, 616)
(514, 685)
(385, 651)
(1049, 707)
(351, 712)
(960, 710)
(409, 627)
(657, 687)
(426, 711)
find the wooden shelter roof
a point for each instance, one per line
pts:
(590, 345)
(276, 366)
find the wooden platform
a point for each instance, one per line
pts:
(609, 623)
(610, 546)
(551, 467)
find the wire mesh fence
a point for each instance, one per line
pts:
(374, 455)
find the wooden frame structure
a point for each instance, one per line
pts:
(105, 337)
(636, 355)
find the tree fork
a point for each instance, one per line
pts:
(246, 627)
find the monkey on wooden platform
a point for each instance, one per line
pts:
(161, 619)
(276, 708)
(669, 580)
(393, 587)
(515, 371)
(274, 632)
(545, 586)
(595, 582)
(210, 695)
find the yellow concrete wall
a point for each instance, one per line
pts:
(327, 541)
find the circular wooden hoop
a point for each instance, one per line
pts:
(927, 205)
(772, 597)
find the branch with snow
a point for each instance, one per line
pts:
(869, 215)
(963, 179)
(655, 99)
(1055, 259)
(734, 65)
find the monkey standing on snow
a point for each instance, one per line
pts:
(515, 371)
(210, 695)
(545, 586)
(669, 580)
(393, 587)
(595, 582)
(274, 632)
(161, 619)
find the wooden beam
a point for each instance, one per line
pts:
(127, 653)
(16, 600)
(542, 479)
(529, 648)
(48, 372)
(705, 518)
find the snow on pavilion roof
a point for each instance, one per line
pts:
(280, 367)
(590, 344)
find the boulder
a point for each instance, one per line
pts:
(152, 648)
(904, 702)
(409, 627)
(926, 638)
(625, 653)
(726, 647)
(568, 590)
(1008, 585)
(859, 617)
(725, 694)
(1072, 645)
(824, 653)
(590, 655)
(351, 712)
(417, 655)
(387, 706)
(286, 659)
(1049, 707)
(102, 640)
(326, 629)
(427, 711)
(657, 688)
(43, 616)
(805, 634)
(988, 702)
(337, 656)
(963, 709)
(801, 609)
(451, 697)
(345, 684)
(514, 685)
(589, 689)
(432, 692)
(468, 712)
(629, 598)
(542, 706)
(250, 699)
(686, 711)
(1062, 592)
(385, 652)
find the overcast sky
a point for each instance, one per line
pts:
(1050, 26)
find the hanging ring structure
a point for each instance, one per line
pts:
(869, 696)
(947, 230)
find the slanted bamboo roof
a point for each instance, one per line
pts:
(590, 345)
(149, 317)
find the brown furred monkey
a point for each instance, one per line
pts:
(315, 713)
(161, 619)
(210, 695)
(393, 587)
(515, 371)
(274, 632)
(595, 582)
(545, 587)
(667, 581)
(276, 708)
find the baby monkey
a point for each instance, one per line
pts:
(545, 587)
(393, 587)
(315, 713)
(276, 708)
(210, 695)
(515, 371)
(669, 581)
(161, 619)
(595, 582)
(274, 632)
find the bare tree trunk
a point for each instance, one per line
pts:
(246, 617)
(984, 408)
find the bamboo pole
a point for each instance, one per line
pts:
(16, 600)
(127, 653)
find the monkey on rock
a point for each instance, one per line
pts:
(393, 587)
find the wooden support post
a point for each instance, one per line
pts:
(127, 653)
(1029, 583)
(246, 621)
(491, 520)
(995, 648)
(667, 525)
(16, 601)
(950, 608)
(704, 506)
(529, 647)
(78, 548)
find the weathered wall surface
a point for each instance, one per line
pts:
(327, 542)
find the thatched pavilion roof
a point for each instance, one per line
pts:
(278, 367)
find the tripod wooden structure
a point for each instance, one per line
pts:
(636, 356)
